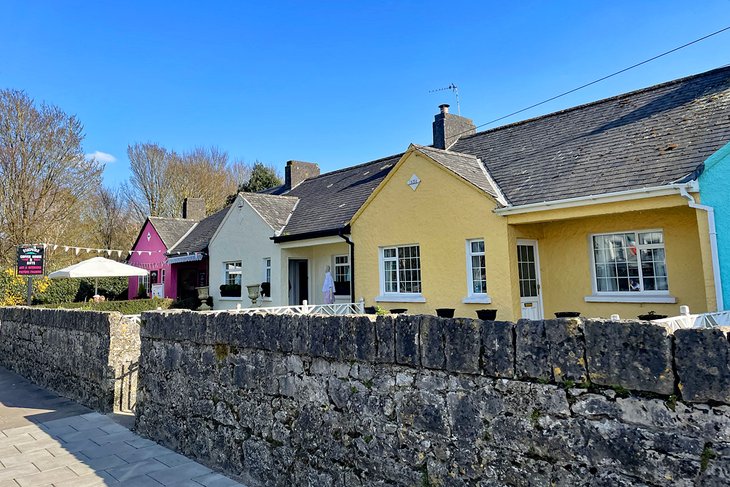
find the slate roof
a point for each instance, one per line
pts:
(328, 202)
(650, 137)
(199, 237)
(275, 210)
(465, 166)
(171, 230)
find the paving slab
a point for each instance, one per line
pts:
(46, 440)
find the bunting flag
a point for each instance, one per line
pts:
(110, 252)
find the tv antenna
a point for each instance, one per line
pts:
(454, 89)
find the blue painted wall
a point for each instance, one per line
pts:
(715, 192)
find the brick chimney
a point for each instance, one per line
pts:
(447, 128)
(193, 209)
(298, 171)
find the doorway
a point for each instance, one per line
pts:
(528, 264)
(298, 281)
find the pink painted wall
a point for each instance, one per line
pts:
(153, 256)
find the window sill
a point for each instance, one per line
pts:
(401, 298)
(229, 298)
(477, 299)
(624, 298)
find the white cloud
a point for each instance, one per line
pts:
(102, 157)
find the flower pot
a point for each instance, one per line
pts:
(397, 311)
(567, 314)
(445, 312)
(370, 310)
(487, 314)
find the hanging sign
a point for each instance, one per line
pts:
(30, 260)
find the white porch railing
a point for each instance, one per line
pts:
(687, 320)
(309, 309)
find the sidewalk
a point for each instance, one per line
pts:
(47, 440)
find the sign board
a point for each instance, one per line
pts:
(158, 291)
(30, 260)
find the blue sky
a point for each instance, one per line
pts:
(336, 83)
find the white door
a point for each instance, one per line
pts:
(528, 263)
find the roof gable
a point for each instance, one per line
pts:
(274, 210)
(171, 230)
(649, 137)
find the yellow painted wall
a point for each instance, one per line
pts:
(439, 216)
(564, 248)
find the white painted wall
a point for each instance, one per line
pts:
(244, 236)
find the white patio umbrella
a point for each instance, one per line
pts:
(97, 267)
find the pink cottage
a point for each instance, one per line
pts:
(149, 251)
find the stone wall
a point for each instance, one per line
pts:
(87, 356)
(424, 401)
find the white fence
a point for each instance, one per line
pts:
(309, 309)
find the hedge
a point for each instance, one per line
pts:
(133, 307)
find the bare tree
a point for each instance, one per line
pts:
(44, 175)
(110, 220)
(149, 191)
(202, 173)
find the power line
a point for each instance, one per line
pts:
(600, 79)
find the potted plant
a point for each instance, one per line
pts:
(487, 314)
(567, 314)
(266, 289)
(230, 290)
(445, 312)
(370, 310)
(397, 311)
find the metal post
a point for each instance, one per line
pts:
(30, 290)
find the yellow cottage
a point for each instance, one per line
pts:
(594, 209)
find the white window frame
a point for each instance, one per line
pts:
(146, 281)
(225, 275)
(471, 296)
(335, 265)
(267, 277)
(652, 296)
(162, 276)
(398, 297)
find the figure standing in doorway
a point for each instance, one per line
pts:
(328, 288)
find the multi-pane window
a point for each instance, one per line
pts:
(232, 273)
(143, 283)
(162, 276)
(476, 267)
(402, 269)
(342, 275)
(630, 262)
(267, 269)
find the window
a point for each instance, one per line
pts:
(401, 270)
(476, 267)
(143, 285)
(162, 276)
(630, 262)
(342, 275)
(232, 273)
(267, 269)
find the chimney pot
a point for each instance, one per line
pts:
(444, 108)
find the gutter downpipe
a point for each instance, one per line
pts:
(342, 235)
(713, 244)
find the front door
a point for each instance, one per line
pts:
(528, 263)
(298, 281)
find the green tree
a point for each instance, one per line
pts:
(262, 177)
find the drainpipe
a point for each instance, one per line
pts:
(352, 262)
(713, 243)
